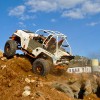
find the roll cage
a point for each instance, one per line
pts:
(59, 37)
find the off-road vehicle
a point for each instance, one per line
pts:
(49, 48)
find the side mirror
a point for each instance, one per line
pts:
(45, 32)
(65, 45)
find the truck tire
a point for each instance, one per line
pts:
(10, 48)
(41, 67)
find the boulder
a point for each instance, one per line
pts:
(63, 88)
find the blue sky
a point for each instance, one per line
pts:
(78, 19)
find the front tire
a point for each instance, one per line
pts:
(10, 48)
(41, 67)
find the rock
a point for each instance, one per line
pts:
(94, 85)
(27, 88)
(97, 74)
(63, 88)
(29, 75)
(3, 67)
(3, 58)
(32, 81)
(88, 88)
(27, 80)
(95, 77)
(32, 98)
(40, 84)
(10, 84)
(75, 88)
(26, 93)
(15, 56)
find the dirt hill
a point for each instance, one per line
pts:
(18, 82)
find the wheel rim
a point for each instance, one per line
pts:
(39, 69)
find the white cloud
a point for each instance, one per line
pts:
(93, 23)
(91, 7)
(41, 5)
(76, 9)
(76, 14)
(52, 5)
(86, 9)
(34, 24)
(65, 4)
(21, 24)
(26, 17)
(17, 11)
(53, 20)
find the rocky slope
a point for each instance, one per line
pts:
(18, 82)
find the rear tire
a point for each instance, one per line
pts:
(10, 48)
(41, 67)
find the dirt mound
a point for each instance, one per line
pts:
(16, 73)
(18, 82)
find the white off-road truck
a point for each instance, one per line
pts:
(48, 48)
